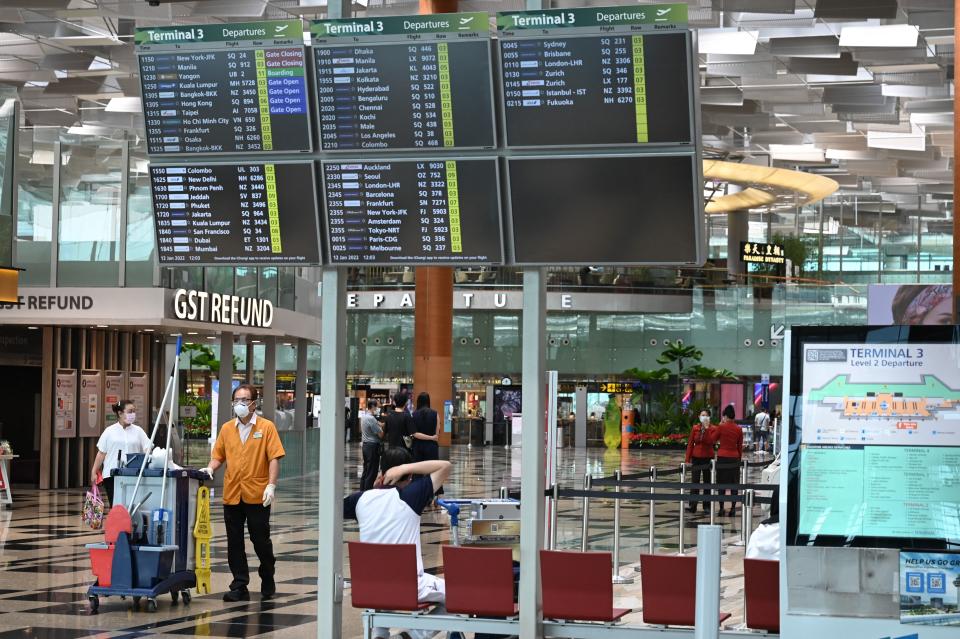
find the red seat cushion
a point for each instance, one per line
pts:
(669, 589)
(384, 576)
(577, 586)
(479, 581)
(761, 586)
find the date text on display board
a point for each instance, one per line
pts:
(226, 88)
(404, 82)
(236, 213)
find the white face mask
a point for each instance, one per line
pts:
(240, 410)
(704, 419)
(130, 418)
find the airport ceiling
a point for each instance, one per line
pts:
(859, 90)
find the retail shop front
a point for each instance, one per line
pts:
(78, 350)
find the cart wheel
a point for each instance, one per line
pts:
(175, 596)
(136, 602)
(94, 602)
(151, 605)
(186, 596)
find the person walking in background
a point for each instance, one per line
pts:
(371, 437)
(730, 438)
(425, 437)
(251, 448)
(703, 436)
(399, 426)
(761, 429)
(116, 442)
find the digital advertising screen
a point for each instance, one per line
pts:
(404, 82)
(439, 211)
(877, 429)
(224, 88)
(584, 210)
(595, 77)
(256, 213)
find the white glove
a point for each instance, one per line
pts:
(268, 494)
(208, 471)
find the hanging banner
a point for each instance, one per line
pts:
(65, 409)
(113, 387)
(91, 387)
(137, 391)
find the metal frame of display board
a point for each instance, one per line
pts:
(828, 623)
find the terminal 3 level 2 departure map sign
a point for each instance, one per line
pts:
(224, 88)
(404, 82)
(597, 77)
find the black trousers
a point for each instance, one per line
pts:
(257, 519)
(371, 465)
(700, 475)
(107, 485)
(728, 472)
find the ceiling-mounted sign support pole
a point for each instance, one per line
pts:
(956, 178)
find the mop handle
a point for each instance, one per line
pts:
(153, 433)
(166, 457)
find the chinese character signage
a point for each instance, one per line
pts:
(762, 253)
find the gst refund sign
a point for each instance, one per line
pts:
(217, 308)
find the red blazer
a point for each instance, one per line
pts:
(704, 447)
(730, 436)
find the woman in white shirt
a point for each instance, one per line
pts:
(116, 442)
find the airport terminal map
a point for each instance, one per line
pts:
(881, 394)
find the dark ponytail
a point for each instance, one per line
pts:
(120, 406)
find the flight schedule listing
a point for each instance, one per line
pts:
(235, 213)
(404, 83)
(413, 211)
(210, 97)
(576, 87)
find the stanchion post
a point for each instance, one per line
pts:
(713, 491)
(748, 515)
(587, 484)
(503, 492)
(617, 579)
(707, 607)
(553, 524)
(743, 511)
(683, 506)
(651, 517)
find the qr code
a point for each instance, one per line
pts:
(915, 581)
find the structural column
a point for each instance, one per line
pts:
(738, 228)
(300, 408)
(532, 453)
(433, 315)
(956, 178)
(225, 377)
(269, 405)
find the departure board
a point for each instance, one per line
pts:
(404, 82)
(596, 77)
(257, 213)
(226, 88)
(444, 211)
(639, 209)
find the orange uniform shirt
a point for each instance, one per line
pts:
(248, 463)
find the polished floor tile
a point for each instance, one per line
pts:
(44, 568)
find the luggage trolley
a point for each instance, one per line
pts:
(483, 522)
(140, 564)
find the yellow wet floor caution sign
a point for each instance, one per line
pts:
(202, 534)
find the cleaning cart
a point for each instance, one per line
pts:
(136, 560)
(483, 522)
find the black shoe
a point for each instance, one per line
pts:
(237, 595)
(732, 513)
(691, 509)
(266, 595)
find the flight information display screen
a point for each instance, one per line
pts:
(595, 77)
(642, 209)
(225, 88)
(413, 211)
(404, 82)
(261, 213)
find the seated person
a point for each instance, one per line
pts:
(390, 514)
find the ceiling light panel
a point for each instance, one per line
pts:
(727, 41)
(806, 47)
(845, 65)
(721, 96)
(913, 141)
(856, 9)
(887, 35)
(755, 6)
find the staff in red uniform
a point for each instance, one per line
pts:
(730, 438)
(703, 436)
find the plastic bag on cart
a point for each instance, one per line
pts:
(769, 475)
(92, 512)
(157, 458)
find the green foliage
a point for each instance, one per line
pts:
(647, 377)
(203, 356)
(678, 353)
(199, 426)
(707, 373)
(611, 423)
